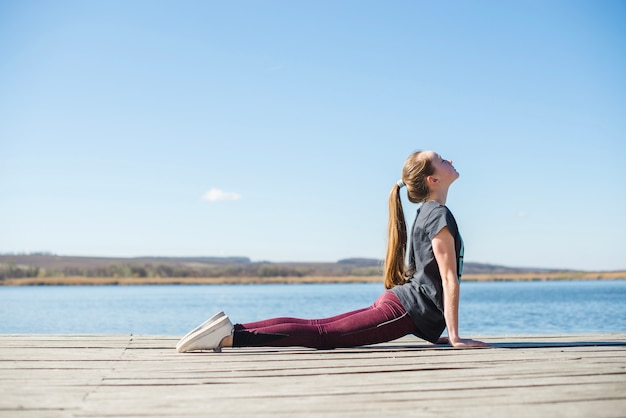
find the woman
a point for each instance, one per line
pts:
(422, 299)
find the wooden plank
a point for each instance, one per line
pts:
(130, 375)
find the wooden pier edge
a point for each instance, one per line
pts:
(142, 376)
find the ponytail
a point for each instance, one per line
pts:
(396, 241)
(414, 173)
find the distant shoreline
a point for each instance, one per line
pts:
(107, 281)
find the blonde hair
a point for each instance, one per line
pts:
(414, 173)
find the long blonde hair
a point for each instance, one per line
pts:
(414, 173)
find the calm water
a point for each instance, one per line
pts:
(496, 308)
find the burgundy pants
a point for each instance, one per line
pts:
(384, 321)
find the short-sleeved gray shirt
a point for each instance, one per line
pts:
(422, 296)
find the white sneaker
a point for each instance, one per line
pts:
(199, 327)
(209, 337)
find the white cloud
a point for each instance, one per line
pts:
(216, 195)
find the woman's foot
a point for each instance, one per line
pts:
(208, 337)
(201, 326)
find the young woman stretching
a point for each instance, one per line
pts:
(422, 298)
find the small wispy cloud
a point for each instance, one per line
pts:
(217, 195)
(521, 214)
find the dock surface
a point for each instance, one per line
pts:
(143, 376)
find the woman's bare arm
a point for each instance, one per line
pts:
(443, 247)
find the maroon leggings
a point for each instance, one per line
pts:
(384, 321)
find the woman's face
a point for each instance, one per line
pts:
(444, 170)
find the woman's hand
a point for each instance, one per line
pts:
(468, 343)
(463, 343)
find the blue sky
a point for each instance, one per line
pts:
(276, 129)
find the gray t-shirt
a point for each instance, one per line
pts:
(422, 296)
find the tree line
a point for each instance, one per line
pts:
(11, 270)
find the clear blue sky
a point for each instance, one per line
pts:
(276, 129)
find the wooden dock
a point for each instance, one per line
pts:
(143, 376)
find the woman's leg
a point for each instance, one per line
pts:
(385, 320)
(288, 320)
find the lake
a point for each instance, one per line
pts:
(487, 308)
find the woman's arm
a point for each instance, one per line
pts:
(443, 247)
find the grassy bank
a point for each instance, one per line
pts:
(79, 280)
